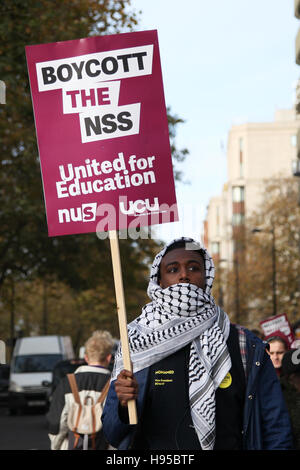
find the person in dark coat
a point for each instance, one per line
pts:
(90, 379)
(199, 381)
(278, 345)
(290, 382)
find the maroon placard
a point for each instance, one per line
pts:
(278, 325)
(102, 133)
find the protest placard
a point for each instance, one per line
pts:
(102, 133)
(278, 324)
(103, 140)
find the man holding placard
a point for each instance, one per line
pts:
(104, 147)
(200, 382)
(106, 165)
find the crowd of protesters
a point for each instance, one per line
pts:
(286, 361)
(199, 381)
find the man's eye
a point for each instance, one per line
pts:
(194, 268)
(172, 270)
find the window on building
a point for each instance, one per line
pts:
(238, 219)
(294, 140)
(238, 193)
(218, 220)
(215, 248)
(241, 157)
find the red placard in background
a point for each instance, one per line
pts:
(102, 133)
(278, 325)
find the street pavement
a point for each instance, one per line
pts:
(27, 431)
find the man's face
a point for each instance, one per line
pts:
(277, 350)
(180, 265)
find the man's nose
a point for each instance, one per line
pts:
(184, 275)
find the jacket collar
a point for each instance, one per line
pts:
(100, 370)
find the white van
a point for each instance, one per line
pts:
(31, 368)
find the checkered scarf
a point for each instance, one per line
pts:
(179, 315)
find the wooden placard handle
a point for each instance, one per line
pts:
(122, 317)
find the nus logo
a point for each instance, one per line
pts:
(139, 206)
(85, 213)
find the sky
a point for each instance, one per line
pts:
(223, 63)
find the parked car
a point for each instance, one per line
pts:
(4, 383)
(31, 369)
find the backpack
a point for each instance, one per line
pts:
(85, 419)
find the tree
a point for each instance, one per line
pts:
(279, 211)
(27, 254)
(178, 155)
(24, 245)
(25, 248)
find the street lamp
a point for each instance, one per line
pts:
(237, 283)
(274, 272)
(221, 296)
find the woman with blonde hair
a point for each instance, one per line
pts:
(90, 380)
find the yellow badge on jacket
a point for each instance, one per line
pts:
(226, 382)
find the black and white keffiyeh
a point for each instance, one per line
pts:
(179, 315)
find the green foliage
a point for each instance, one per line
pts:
(178, 155)
(25, 247)
(279, 210)
(76, 269)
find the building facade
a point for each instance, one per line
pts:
(256, 152)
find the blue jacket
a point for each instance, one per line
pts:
(266, 419)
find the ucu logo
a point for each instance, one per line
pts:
(139, 206)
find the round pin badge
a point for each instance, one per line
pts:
(226, 382)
